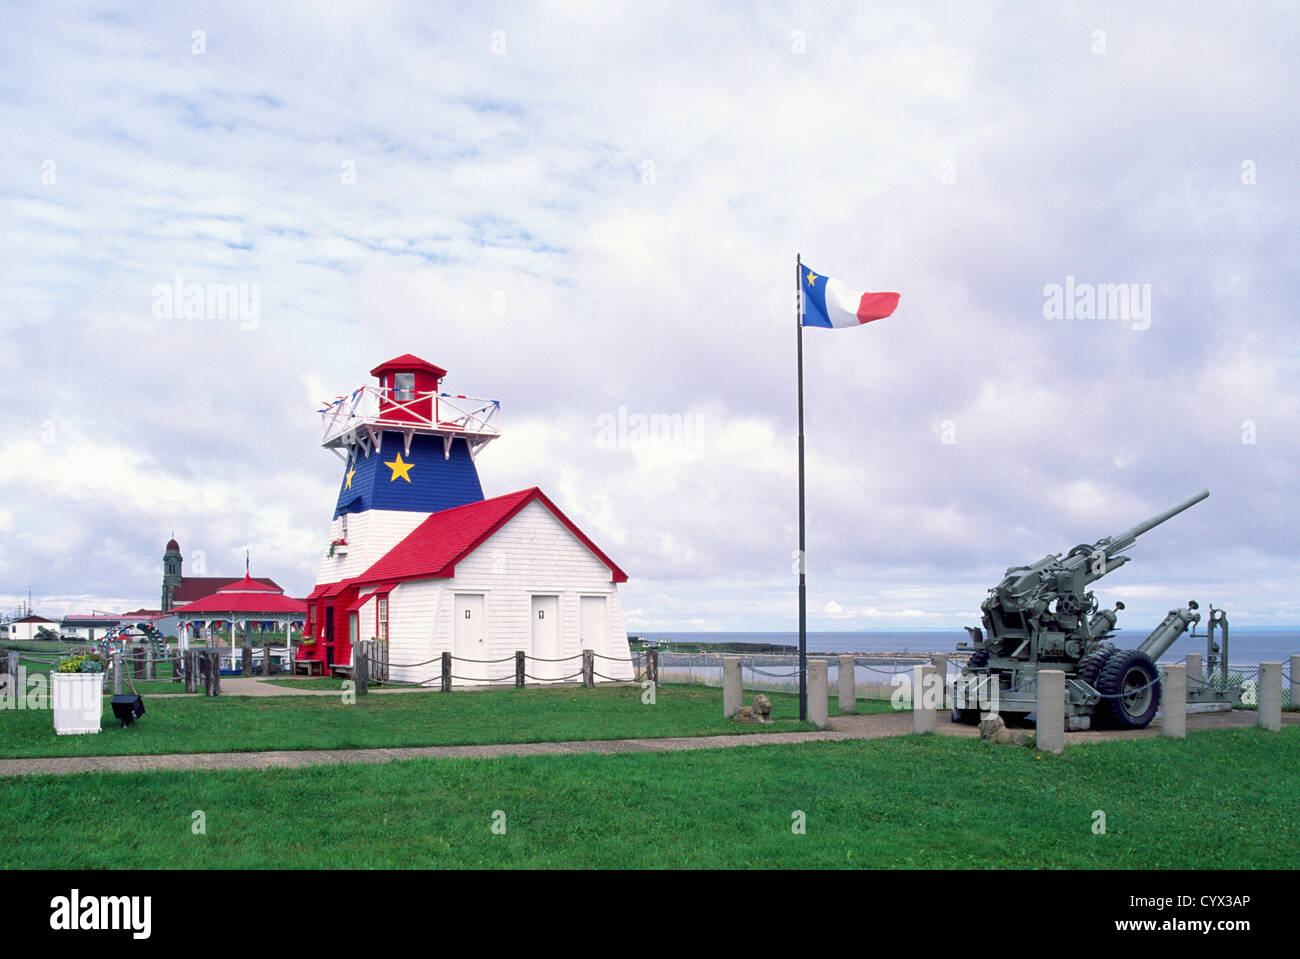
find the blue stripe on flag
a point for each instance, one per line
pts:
(814, 299)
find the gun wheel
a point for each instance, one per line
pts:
(1091, 665)
(1128, 681)
(970, 717)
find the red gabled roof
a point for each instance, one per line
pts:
(250, 585)
(406, 363)
(196, 587)
(434, 547)
(33, 618)
(329, 590)
(246, 595)
(253, 603)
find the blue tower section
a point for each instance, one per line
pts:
(423, 480)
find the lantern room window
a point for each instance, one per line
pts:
(403, 386)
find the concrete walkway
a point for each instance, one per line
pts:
(876, 726)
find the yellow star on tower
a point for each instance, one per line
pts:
(347, 484)
(399, 469)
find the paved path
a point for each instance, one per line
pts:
(876, 726)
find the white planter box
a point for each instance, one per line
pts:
(78, 703)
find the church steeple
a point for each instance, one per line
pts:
(172, 577)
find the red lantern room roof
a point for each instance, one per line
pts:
(406, 363)
(173, 546)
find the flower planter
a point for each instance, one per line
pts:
(77, 702)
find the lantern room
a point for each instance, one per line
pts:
(407, 389)
(407, 401)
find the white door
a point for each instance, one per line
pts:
(470, 638)
(546, 638)
(591, 629)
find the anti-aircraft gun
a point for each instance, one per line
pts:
(1043, 616)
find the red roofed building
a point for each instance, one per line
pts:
(241, 602)
(179, 590)
(30, 625)
(479, 578)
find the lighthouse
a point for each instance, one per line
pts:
(416, 557)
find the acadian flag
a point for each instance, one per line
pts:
(829, 303)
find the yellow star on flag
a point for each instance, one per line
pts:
(348, 483)
(399, 469)
(812, 278)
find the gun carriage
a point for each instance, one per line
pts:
(1044, 616)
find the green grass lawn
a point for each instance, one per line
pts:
(244, 723)
(1223, 799)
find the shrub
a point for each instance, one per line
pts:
(83, 663)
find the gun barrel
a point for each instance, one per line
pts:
(1126, 538)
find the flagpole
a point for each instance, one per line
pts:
(803, 588)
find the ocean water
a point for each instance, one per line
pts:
(1247, 645)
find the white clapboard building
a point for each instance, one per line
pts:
(418, 559)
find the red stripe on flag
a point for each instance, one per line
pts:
(876, 306)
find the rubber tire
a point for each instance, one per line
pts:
(1111, 713)
(1090, 666)
(971, 717)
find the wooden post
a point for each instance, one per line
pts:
(191, 660)
(117, 672)
(12, 660)
(588, 669)
(519, 668)
(446, 672)
(360, 666)
(266, 656)
(246, 665)
(652, 666)
(150, 663)
(212, 684)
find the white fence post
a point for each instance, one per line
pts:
(818, 693)
(1270, 697)
(1174, 702)
(848, 685)
(925, 718)
(733, 693)
(1050, 734)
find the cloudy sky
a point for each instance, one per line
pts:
(591, 211)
